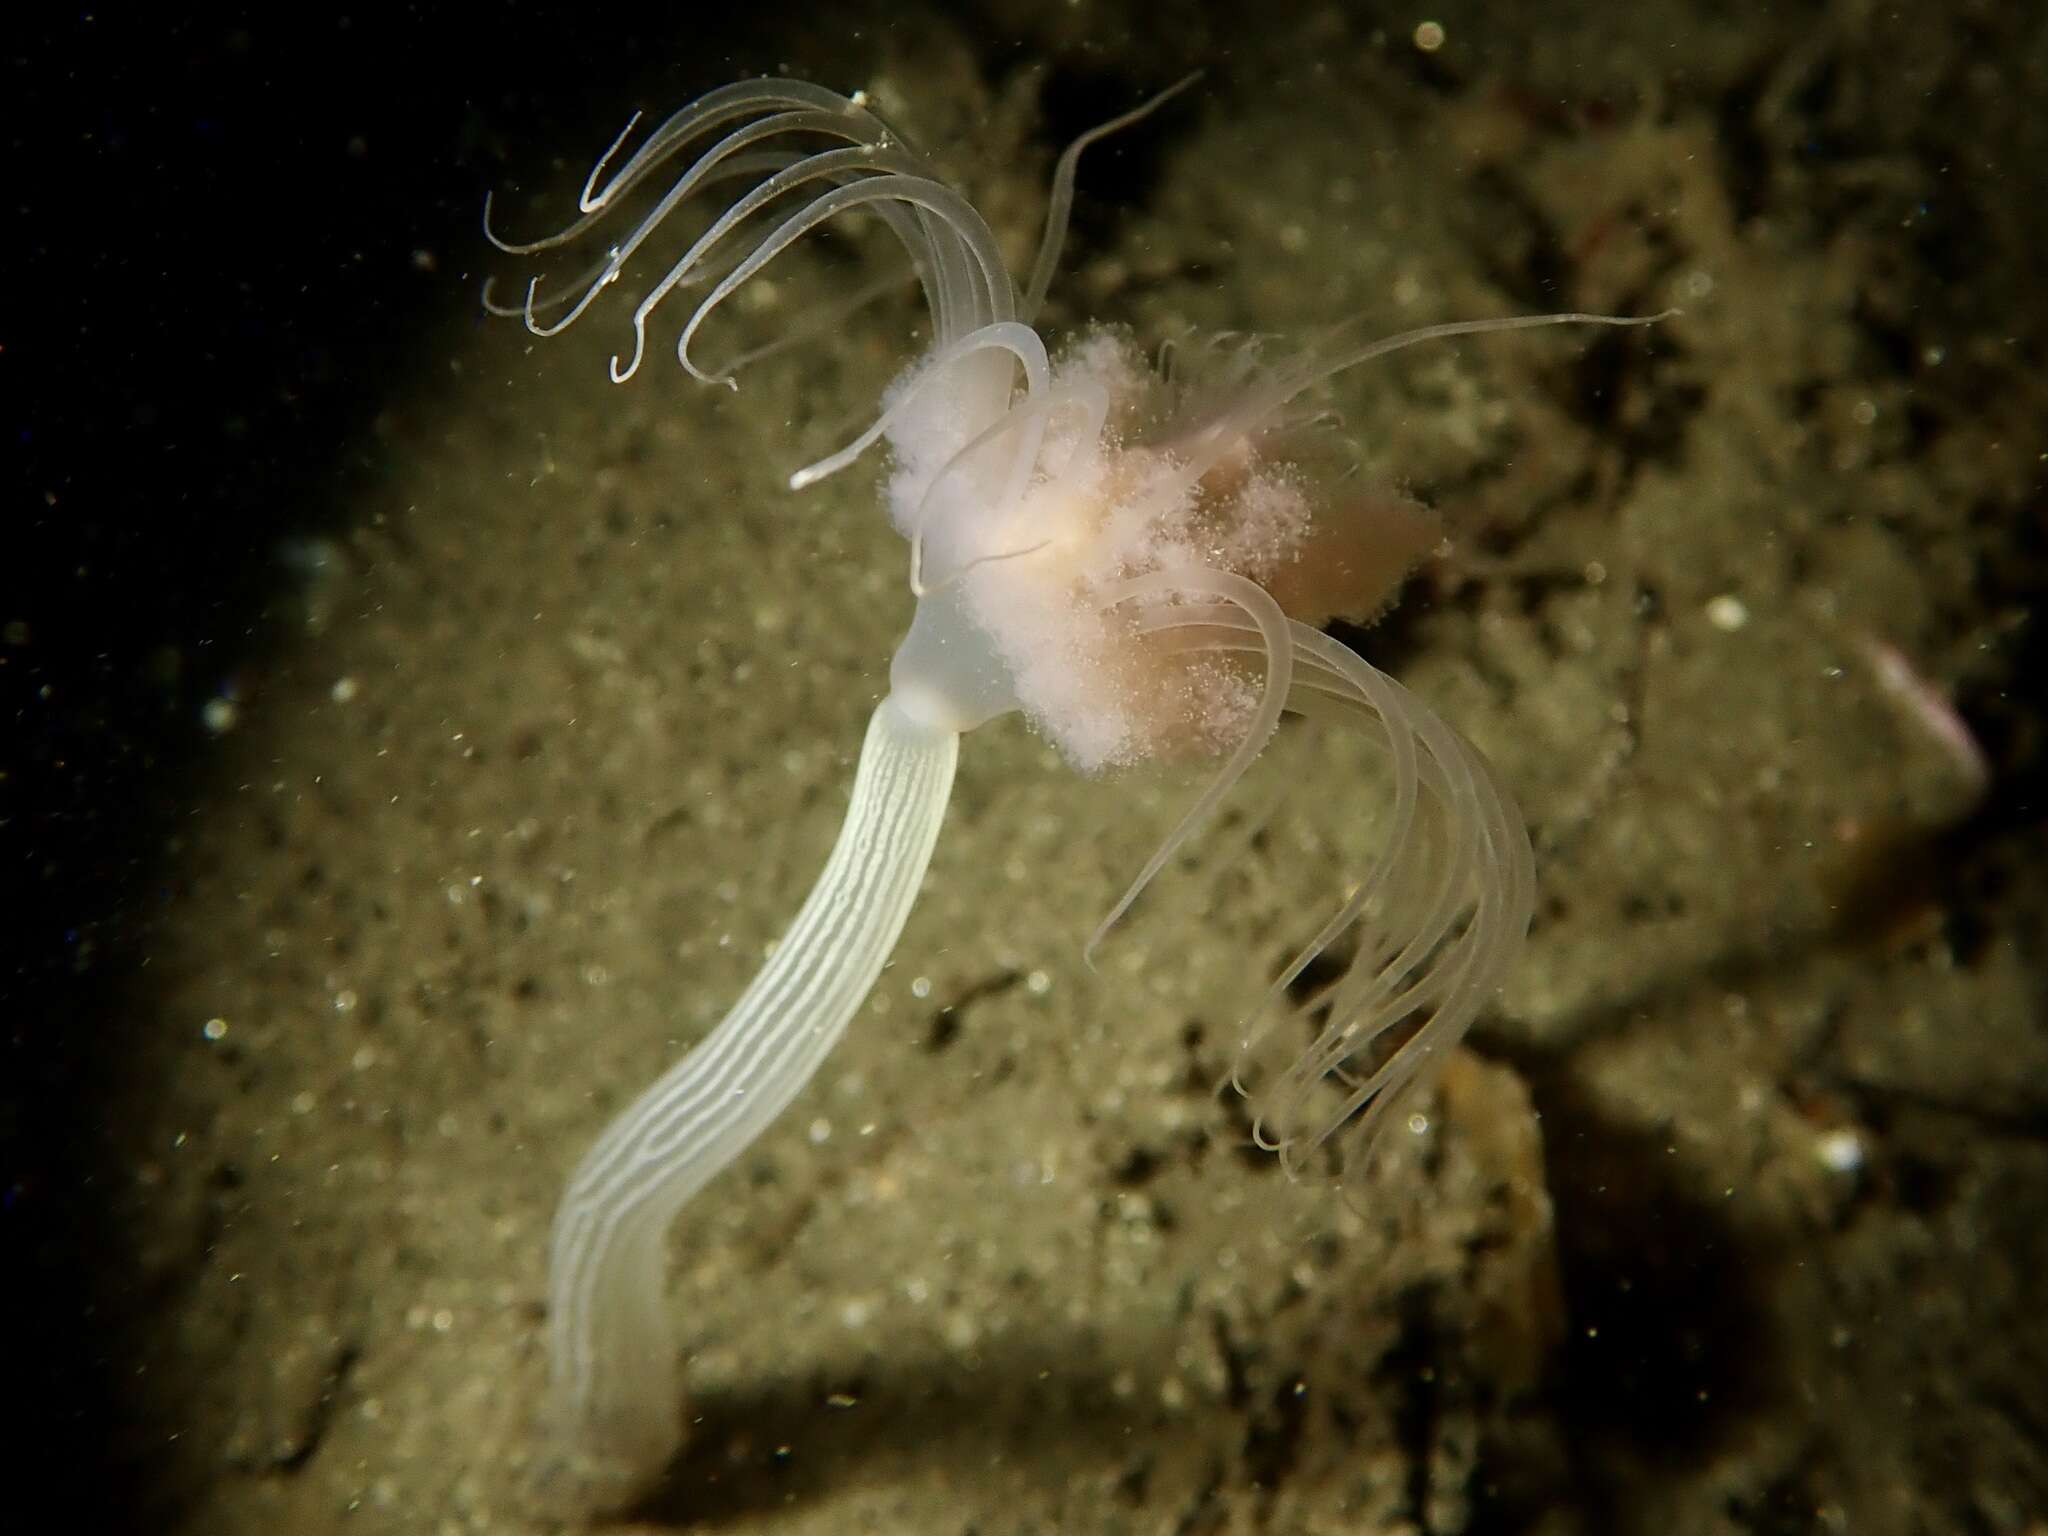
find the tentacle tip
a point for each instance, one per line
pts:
(683, 357)
(489, 233)
(590, 199)
(526, 310)
(621, 374)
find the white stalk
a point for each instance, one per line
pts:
(615, 1400)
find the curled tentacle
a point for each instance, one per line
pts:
(864, 163)
(1010, 336)
(1432, 926)
(1278, 653)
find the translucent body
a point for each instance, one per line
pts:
(1138, 564)
(615, 1404)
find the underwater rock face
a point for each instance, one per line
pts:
(1751, 1145)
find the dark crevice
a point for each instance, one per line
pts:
(1410, 1368)
(320, 1415)
(1670, 1345)
(1272, 1442)
(947, 1019)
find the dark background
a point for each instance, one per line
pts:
(233, 231)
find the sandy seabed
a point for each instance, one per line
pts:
(1727, 1220)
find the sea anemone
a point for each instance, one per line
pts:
(1141, 561)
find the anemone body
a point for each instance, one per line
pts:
(1140, 564)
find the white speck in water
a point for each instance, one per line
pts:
(344, 689)
(921, 986)
(219, 715)
(1417, 1124)
(214, 1029)
(1840, 1151)
(1038, 983)
(1727, 613)
(821, 1131)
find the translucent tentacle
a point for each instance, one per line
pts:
(1030, 418)
(951, 247)
(1259, 607)
(996, 301)
(707, 112)
(1435, 923)
(1204, 441)
(1060, 204)
(1005, 335)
